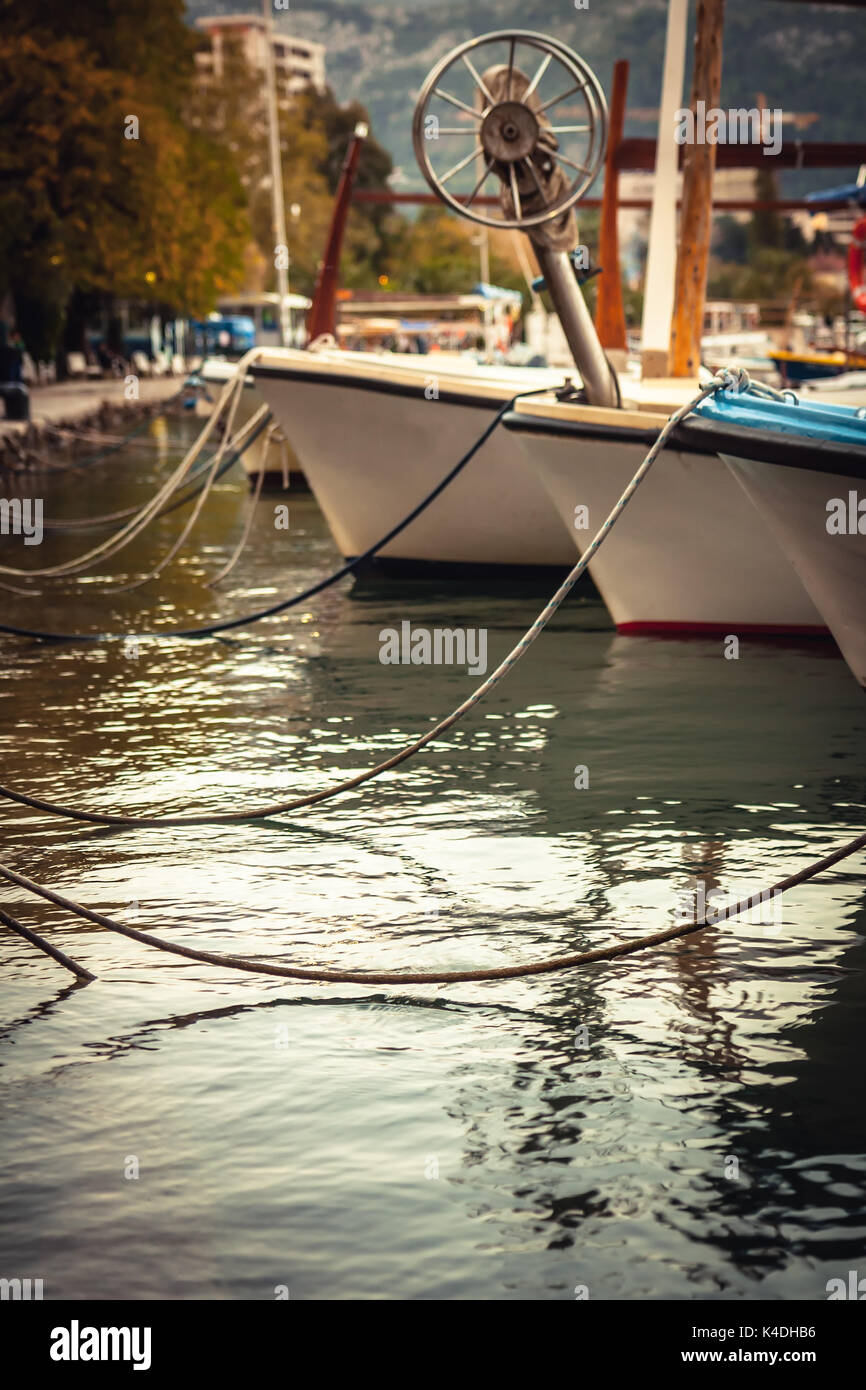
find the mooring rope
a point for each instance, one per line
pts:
(404, 977)
(227, 624)
(251, 516)
(228, 400)
(194, 483)
(194, 515)
(215, 467)
(492, 681)
(42, 945)
(427, 977)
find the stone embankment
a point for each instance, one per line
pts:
(72, 418)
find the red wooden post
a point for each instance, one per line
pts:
(322, 317)
(609, 311)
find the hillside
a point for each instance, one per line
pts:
(380, 53)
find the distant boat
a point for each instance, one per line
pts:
(270, 452)
(803, 465)
(797, 367)
(848, 389)
(819, 360)
(239, 323)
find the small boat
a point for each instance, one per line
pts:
(239, 323)
(803, 466)
(833, 349)
(374, 433)
(797, 367)
(690, 555)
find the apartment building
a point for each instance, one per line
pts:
(298, 62)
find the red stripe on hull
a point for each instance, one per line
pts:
(695, 629)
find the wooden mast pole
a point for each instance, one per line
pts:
(609, 312)
(696, 217)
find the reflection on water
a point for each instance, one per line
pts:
(682, 1124)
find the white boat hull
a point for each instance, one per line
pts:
(690, 553)
(793, 502)
(372, 445)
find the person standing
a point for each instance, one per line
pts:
(15, 362)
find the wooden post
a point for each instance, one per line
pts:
(696, 217)
(609, 312)
(322, 317)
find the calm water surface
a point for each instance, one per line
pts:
(686, 1124)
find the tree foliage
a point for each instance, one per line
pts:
(182, 213)
(762, 259)
(84, 209)
(438, 253)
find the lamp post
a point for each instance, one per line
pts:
(281, 249)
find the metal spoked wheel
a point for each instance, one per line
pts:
(464, 132)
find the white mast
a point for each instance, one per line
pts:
(277, 199)
(662, 251)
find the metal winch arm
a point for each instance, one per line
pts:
(596, 373)
(514, 136)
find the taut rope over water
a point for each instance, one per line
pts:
(150, 509)
(193, 484)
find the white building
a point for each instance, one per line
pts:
(298, 62)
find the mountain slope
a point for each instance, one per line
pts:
(801, 57)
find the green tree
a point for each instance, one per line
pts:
(314, 136)
(770, 274)
(765, 229)
(437, 253)
(148, 40)
(372, 227)
(730, 240)
(87, 214)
